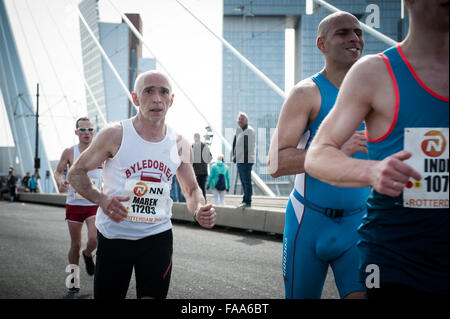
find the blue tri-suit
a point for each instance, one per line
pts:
(321, 223)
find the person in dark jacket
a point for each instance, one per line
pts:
(11, 181)
(202, 156)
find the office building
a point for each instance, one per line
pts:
(125, 52)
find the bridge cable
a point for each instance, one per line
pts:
(256, 178)
(102, 116)
(113, 69)
(58, 80)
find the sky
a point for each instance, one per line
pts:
(48, 30)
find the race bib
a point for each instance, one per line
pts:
(148, 201)
(429, 149)
(94, 182)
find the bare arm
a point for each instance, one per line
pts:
(300, 108)
(195, 201)
(64, 161)
(103, 146)
(191, 190)
(358, 99)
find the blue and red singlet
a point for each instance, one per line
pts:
(408, 238)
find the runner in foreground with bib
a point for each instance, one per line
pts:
(78, 209)
(402, 95)
(141, 155)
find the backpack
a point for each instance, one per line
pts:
(220, 184)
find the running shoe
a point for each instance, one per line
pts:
(74, 290)
(89, 262)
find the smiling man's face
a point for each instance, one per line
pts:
(341, 38)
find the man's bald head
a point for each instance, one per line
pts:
(327, 23)
(139, 83)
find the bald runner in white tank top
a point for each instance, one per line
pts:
(142, 170)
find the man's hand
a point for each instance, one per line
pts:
(356, 143)
(206, 216)
(63, 187)
(391, 175)
(113, 207)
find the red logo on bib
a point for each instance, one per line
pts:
(140, 189)
(435, 144)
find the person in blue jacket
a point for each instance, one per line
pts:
(219, 180)
(32, 183)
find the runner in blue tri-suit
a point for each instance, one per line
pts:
(402, 95)
(321, 219)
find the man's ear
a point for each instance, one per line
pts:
(171, 100)
(321, 44)
(135, 98)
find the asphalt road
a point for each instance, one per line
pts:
(207, 264)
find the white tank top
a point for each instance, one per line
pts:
(142, 170)
(73, 198)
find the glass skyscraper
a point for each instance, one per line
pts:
(124, 51)
(92, 59)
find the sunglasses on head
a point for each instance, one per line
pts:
(82, 129)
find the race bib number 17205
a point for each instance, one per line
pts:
(429, 149)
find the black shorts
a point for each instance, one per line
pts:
(151, 258)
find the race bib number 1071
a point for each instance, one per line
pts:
(429, 149)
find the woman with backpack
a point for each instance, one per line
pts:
(219, 180)
(32, 183)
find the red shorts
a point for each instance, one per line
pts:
(78, 214)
